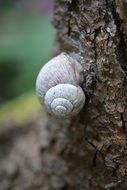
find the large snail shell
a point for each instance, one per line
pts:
(57, 86)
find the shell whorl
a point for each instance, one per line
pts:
(64, 99)
(58, 86)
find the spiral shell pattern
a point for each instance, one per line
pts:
(58, 86)
(64, 100)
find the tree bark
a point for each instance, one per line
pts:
(88, 152)
(96, 31)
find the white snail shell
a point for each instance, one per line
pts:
(58, 86)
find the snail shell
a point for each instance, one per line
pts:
(58, 86)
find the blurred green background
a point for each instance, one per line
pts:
(26, 43)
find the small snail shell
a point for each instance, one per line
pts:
(58, 86)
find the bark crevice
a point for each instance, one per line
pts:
(122, 47)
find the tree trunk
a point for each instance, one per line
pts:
(88, 152)
(96, 31)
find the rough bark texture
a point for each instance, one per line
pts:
(88, 152)
(96, 32)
